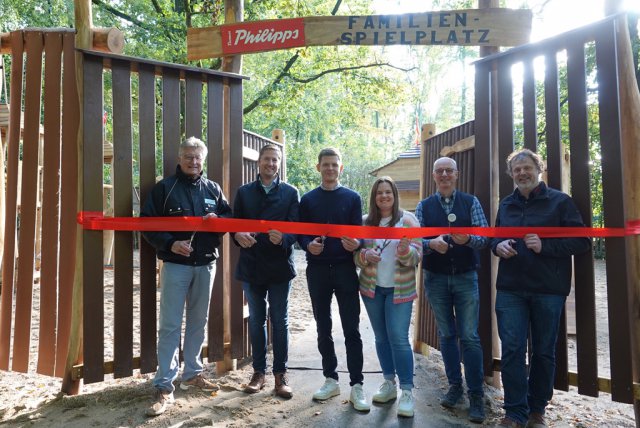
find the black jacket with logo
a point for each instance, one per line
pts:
(181, 196)
(266, 263)
(550, 271)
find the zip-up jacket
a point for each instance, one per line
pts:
(265, 262)
(181, 196)
(550, 271)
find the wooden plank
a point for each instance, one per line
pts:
(92, 271)
(171, 130)
(147, 130)
(505, 124)
(215, 136)
(552, 117)
(614, 201)
(193, 105)
(529, 104)
(28, 198)
(482, 190)
(50, 204)
(467, 27)
(459, 146)
(585, 306)
(13, 154)
(122, 207)
(68, 201)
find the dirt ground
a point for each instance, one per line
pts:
(31, 400)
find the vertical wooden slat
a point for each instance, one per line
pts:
(93, 274)
(50, 204)
(529, 104)
(505, 124)
(235, 181)
(193, 105)
(614, 211)
(68, 200)
(482, 190)
(13, 153)
(215, 135)
(122, 207)
(28, 199)
(170, 120)
(147, 127)
(552, 117)
(587, 357)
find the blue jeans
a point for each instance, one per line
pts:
(278, 297)
(180, 285)
(517, 312)
(390, 323)
(342, 280)
(455, 303)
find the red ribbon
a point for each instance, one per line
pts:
(97, 221)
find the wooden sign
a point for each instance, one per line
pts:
(471, 27)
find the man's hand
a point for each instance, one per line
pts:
(316, 246)
(275, 236)
(460, 238)
(210, 215)
(245, 239)
(349, 244)
(533, 242)
(182, 248)
(505, 249)
(439, 244)
(372, 256)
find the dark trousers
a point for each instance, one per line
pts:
(340, 279)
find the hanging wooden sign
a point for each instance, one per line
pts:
(471, 27)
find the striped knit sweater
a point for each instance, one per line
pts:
(405, 266)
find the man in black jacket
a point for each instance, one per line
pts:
(187, 272)
(266, 266)
(534, 279)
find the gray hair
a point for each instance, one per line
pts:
(522, 154)
(455, 164)
(193, 142)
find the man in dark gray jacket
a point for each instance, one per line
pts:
(534, 279)
(187, 272)
(266, 267)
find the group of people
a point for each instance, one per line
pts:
(534, 278)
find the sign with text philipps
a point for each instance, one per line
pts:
(472, 27)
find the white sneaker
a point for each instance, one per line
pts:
(386, 392)
(405, 406)
(358, 399)
(331, 388)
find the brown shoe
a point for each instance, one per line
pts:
(510, 423)
(536, 420)
(255, 384)
(282, 386)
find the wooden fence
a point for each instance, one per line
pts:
(511, 113)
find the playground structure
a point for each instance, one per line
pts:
(221, 108)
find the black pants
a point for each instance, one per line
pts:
(340, 279)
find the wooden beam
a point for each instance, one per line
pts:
(460, 146)
(104, 39)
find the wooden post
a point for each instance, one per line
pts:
(279, 136)
(3, 184)
(103, 39)
(84, 23)
(630, 136)
(233, 13)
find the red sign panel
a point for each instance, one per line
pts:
(262, 35)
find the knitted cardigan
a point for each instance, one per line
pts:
(405, 271)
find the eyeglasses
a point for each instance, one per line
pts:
(191, 158)
(441, 171)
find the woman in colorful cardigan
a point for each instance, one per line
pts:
(388, 288)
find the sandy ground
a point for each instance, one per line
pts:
(34, 400)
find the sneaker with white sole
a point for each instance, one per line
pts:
(386, 392)
(198, 381)
(358, 398)
(405, 405)
(331, 388)
(162, 400)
